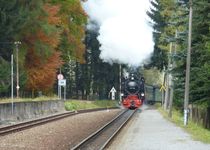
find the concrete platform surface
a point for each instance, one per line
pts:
(148, 130)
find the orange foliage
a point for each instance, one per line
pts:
(52, 39)
(52, 14)
(42, 73)
(42, 76)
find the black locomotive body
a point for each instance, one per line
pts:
(133, 91)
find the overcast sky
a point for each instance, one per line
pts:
(124, 33)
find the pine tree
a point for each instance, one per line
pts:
(13, 16)
(159, 58)
(200, 52)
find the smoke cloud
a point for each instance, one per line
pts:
(124, 33)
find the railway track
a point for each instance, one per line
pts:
(29, 124)
(101, 138)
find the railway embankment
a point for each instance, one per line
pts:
(19, 111)
(26, 110)
(61, 134)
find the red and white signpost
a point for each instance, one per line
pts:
(60, 76)
(61, 82)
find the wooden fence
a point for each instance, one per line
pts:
(200, 116)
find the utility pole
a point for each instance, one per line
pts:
(120, 73)
(187, 78)
(12, 81)
(167, 90)
(167, 96)
(17, 69)
(170, 84)
(163, 89)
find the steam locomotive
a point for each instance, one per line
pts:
(133, 91)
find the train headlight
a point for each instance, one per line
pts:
(142, 94)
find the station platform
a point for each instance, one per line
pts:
(149, 130)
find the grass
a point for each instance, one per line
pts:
(76, 104)
(198, 132)
(42, 98)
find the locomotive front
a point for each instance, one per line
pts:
(133, 91)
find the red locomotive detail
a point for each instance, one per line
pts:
(133, 92)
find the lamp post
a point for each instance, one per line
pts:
(187, 78)
(17, 68)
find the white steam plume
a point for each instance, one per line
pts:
(124, 33)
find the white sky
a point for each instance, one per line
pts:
(124, 34)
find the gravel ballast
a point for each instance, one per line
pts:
(59, 135)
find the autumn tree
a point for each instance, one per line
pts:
(51, 32)
(73, 22)
(42, 39)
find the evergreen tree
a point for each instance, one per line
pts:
(176, 19)
(159, 58)
(199, 89)
(13, 16)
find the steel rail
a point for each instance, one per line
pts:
(29, 124)
(106, 133)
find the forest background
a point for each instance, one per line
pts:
(54, 39)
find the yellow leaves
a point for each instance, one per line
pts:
(78, 47)
(73, 20)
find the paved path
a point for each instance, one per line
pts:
(150, 131)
